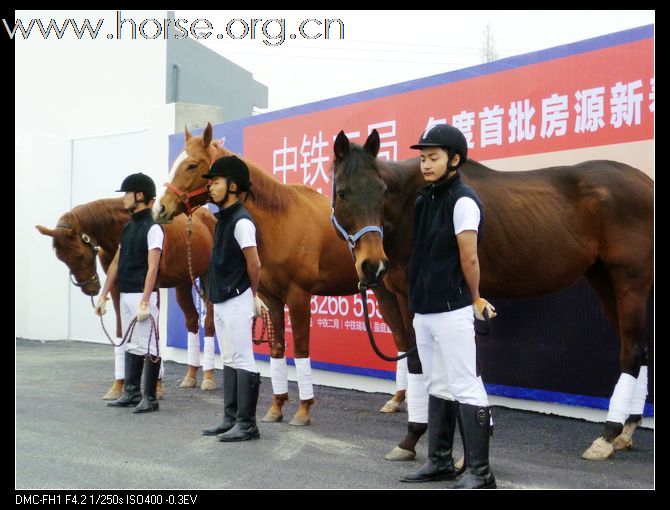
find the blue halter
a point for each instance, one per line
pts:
(350, 239)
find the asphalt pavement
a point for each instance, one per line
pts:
(67, 438)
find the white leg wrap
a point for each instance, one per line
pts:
(401, 373)
(193, 349)
(119, 361)
(209, 354)
(620, 402)
(161, 370)
(304, 371)
(279, 375)
(640, 393)
(417, 399)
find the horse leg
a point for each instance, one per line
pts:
(417, 395)
(631, 291)
(209, 354)
(278, 366)
(185, 301)
(388, 305)
(299, 310)
(624, 441)
(119, 352)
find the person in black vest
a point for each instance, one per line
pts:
(444, 296)
(135, 267)
(233, 277)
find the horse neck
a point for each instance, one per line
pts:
(402, 178)
(102, 219)
(267, 194)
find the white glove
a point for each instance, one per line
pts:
(100, 306)
(259, 306)
(143, 311)
(483, 308)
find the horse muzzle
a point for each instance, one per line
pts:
(373, 272)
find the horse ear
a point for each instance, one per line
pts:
(372, 144)
(207, 135)
(186, 133)
(341, 147)
(44, 230)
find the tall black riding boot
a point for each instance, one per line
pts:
(131, 385)
(441, 426)
(149, 401)
(229, 403)
(248, 384)
(475, 425)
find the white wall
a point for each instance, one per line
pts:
(42, 194)
(69, 92)
(86, 87)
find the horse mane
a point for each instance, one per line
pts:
(266, 191)
(104, 214)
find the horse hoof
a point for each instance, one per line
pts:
(392, 406)
(459, 463)
(112, 394)
(300, 421)
(271, 417)
(599, 450)
(188, 382)
(208, 384)
(622, 443)
(399, 454)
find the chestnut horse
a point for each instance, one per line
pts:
(95, 228)
(300, 256)
(543, 230)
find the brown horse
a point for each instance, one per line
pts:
(299, 251)
(543, 230)
(95, 229)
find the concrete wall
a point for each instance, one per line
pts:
(196, 74)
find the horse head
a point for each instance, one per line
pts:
(186, 188)
(358, 205)
(78, 251)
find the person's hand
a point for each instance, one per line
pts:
(483, 308)
(100, 306)
(259, 306)
(143, 311)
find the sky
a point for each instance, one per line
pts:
(381, 48)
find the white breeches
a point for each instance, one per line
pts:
(446, 345)
(139, 342)
(232, 320)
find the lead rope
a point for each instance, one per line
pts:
(129, 335)
(363, 289)
(189, 257)
(104, 329)
(267, 335)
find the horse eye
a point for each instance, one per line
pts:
(192, 166)
(341, 195)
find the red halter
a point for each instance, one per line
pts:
(185, 196)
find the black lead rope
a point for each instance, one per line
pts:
(371, 337)
(486, 328)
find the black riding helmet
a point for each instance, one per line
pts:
(139, 182)
(446, 136)
(233, 168)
